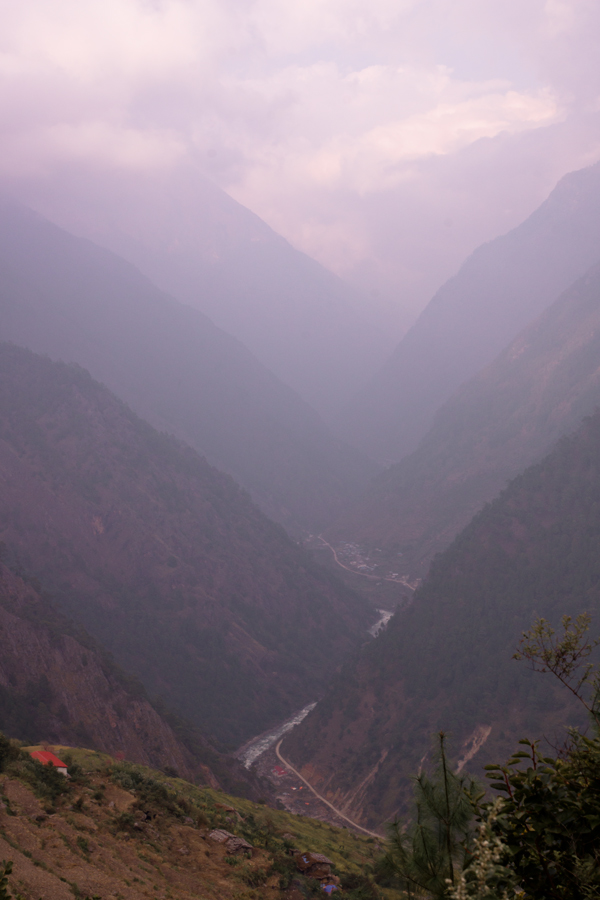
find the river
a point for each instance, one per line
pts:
(250, 752)
(384, 617)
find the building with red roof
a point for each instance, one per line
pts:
(49, 759)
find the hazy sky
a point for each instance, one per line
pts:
(385, 137)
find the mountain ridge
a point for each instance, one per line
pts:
(498, 290)
(501, 420)
(198, 244)
(75, 301)
(163, 559)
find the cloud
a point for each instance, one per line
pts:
(329, 117)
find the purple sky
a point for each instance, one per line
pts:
(387, 138)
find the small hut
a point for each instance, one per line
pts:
(314, 865)
(49, 759)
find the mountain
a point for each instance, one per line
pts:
(72, 300)
(502, 420)
(195, 242)
(501, 287)
(446, 661)
(55, 685)
(162, 558)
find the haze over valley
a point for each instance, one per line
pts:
(299, 444)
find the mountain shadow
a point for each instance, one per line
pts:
(503, 419)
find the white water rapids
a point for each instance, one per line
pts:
(255, 748)
(384, 617)
(250, 752)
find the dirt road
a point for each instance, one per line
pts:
(322, 799)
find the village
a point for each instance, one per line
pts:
(374, 565)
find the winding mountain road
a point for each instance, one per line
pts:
(322, 799)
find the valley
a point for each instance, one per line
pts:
(241, 604)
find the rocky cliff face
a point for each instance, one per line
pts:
(55, 688)
(165, 561)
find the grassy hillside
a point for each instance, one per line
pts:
(164, 560)
(502, 420)
(446, 662)
(125, 831)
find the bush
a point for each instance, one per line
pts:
(46, 781)
(9, 751)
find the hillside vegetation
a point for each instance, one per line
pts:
(163, 559)
(446, 662)
(502, 420)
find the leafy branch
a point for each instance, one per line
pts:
(564, 656)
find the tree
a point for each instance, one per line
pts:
(428, 856)
(549, 819)
(565, 657)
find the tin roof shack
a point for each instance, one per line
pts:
(49, 759)
(314, 865)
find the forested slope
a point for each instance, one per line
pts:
(165, 560)
(446, 662)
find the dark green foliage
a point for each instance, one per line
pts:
(152, 795)
(359, 886)
(427, 855)
(284, 866)
(46, 781)
(549, 820)
(83, 844)
(9, 751)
